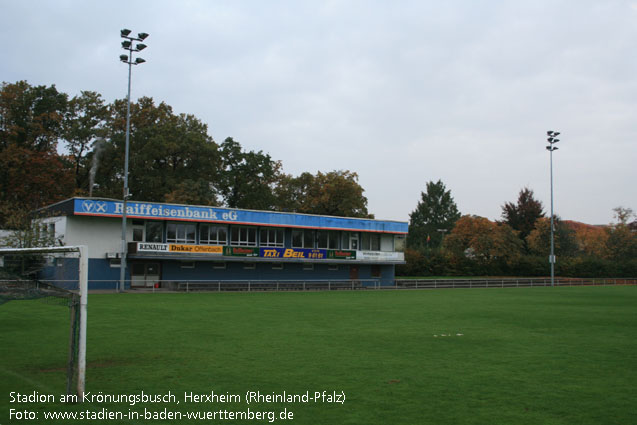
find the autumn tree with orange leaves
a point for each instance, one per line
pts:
(482, 240)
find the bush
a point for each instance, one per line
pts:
(438, 263)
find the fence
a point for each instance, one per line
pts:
(505, 283)
(332, 285)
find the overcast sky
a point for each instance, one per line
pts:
(401, 92)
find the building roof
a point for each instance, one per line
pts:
(103, 207)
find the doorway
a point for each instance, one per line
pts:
(353, 272)
(145, 275)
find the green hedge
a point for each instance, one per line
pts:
(438, 263)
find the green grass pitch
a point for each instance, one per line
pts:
(480, 356)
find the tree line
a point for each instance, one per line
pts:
(441, 241)
(54, 146)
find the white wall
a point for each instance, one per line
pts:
(101, 234)
(387, 243)
(60, 226)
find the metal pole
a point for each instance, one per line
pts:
(81, 355)
(122, 272)
(552, 258)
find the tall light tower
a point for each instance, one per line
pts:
(127, 44)
(552, 139)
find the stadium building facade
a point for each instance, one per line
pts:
(169, 244)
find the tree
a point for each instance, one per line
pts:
(25, 232)
(338, 193)
(591, 240)
(32, 173)
(247, 178)
(621, 244)
(192, 192)
(335, 193)
(292, 193)
(32, 179)
(166, 150)
(483, 241)
(623, 215)
(31, 117)
(523, 215)
(539, 240)
(83, 125)
(435, 213)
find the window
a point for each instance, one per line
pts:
(332, 267)
(219, 266)
(350, 240)
(308, 266)
(277, 266)
(138, 234)
(187, 265)
(213, 235)
(327, 240)
(271, 237)
(376, 271)
(370, 242)
(115, 262)
(249, 266)
(154, 231)
(399, 243)
(180, 233)
(303, 238)
(243, 236)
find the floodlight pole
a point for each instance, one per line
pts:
(127, 45)
(552, 140)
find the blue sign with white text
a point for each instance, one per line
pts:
(159, 211)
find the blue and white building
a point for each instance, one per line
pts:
(170, 243)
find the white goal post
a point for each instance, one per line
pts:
(83, 287)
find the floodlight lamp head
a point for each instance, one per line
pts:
(557, 133)
(126, 44)
(123, 58)
(140, 47)
(549, 133)
(556, 140)
(550, 139)
(124, 32)
(142, 35)
(139, 60)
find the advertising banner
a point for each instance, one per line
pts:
(196, 249)
(152, 247)
(380, 256)
(166, 247)
(240, 251)
(290, 253)
(194, 213)
(341, 254)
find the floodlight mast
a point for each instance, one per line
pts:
(128, 45)
(552, 139)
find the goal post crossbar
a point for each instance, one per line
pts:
(83, 286)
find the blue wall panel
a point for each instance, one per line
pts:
(100, 274)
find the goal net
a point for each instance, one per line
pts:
(21, 278)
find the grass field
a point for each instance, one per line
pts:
(509, 356)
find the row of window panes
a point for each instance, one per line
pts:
(246, 236)
(275, 266)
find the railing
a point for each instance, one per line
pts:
(270, 285)
(505, 282)
(343, 284)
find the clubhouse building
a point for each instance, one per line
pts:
(169, 244)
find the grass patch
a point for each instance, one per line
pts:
(509, 356)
